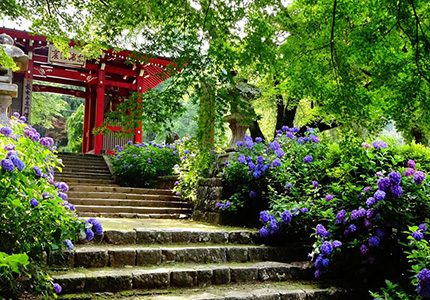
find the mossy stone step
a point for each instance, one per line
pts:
(133, 215)
(92, 257)
(118, 189)
(121, 195)
(116, 280)
(129, 202)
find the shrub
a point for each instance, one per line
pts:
(34, 214)
(139, 165)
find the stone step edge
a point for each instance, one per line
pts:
(121, 257)
(120, 280)
(149, 236)
(131, 209)
(124, 215)
(130, 202)
(134, 190)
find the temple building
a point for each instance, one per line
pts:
(103, 82)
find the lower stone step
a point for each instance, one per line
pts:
(96, 257)
(118, 189)
(87, 181)
(132, 209)
(132, 215)
(88, 175)
(126, 202)
(121, 195)
(116, 280)
(290, 290)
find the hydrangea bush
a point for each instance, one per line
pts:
(357, 199)
(35, 217)
(139, 165)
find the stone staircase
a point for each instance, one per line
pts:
(95, 194)
(187, 264)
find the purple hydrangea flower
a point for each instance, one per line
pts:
(370, 202)
(409, 172)
(419, 177)
(57, 288)
(258, 139)
(317, 273)
(424, 277)
(395, 178)
(239, 143)
(383, 183)
(264, 216)
(69, 244)
(319, 262)
(304, 210)
(256, 173)
(379, 195)
(418, 235)
(187, 151)
(422, 227)
(62, 195)
(280, 152)
(366, 145)
(7, 164)
(380, 145)
(370, 213)
(352, 228)
(149, 160)
(249, 143)
(380, 232)
(326, 248)
(329, 197)
(251, 165)
(241, 159)
(354, 214)
(47, 142)
(34, 202)
(337, 244)
(307, 159)
(252, 194)
(38, 171)
(411, 164)
(340, 216)
(396, 191)
(15, 114)
(260, 160)
(286, 216)
(9, 147)
(275, 145)
(374, 241)
(367, 189)
(6, 131)
(364, 249)
(97, 226)
(315, 183)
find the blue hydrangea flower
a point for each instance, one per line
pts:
(38, 171)
(69, 244)
(352, 228)
(380, 233)
(325, 262)
(239, 143)
(290, 135)
(319, 262)
(279, 152)
(98, 228)
(256, 174)
(304, 210)
(34, 202)
(275, 145)
(276, 162)
(329, 197)
(187, 151)
(264, 232)
(249, 143)
(6, 131)
(286, 216)
(260, 160)
(89, 234)
(379, 195)
(307, 159)
(321, 231)
(241, 159)
(380, 145)
(418, 235)
(251, 165)
(19, 164)
(57, 288)
(419, 177)
(7, 164)
(252, 194)
(47, 142)
(326, 248)
(422, 227)
(315, 183)
(374, 241)
(424, 277)
(364, 249)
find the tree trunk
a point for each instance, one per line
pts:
(255, 130)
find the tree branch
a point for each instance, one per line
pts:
(332, 32)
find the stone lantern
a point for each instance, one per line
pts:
(8, 90)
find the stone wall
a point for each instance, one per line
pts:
(209, 192)
(167, 182)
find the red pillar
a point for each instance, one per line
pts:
(86, 136)
(139, 89)
(100, 108)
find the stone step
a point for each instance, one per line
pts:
(290, 290)
(115, 256)
(132, 209)
(83, 162)
(132, 215)
(120, 195)
(125, 202)
(186, 276)
(87, 175)
(118, 189)
(85, 170)
(148, 236)
(87, 181)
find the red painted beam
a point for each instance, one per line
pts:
(65, 74)
(120, 84)
(61, 81)
(57, 90)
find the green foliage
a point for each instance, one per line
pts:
(140, 164)
(45, 106)
(75, 130)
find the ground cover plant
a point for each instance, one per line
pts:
(357, 199)
(35, 217)
(139, 165)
